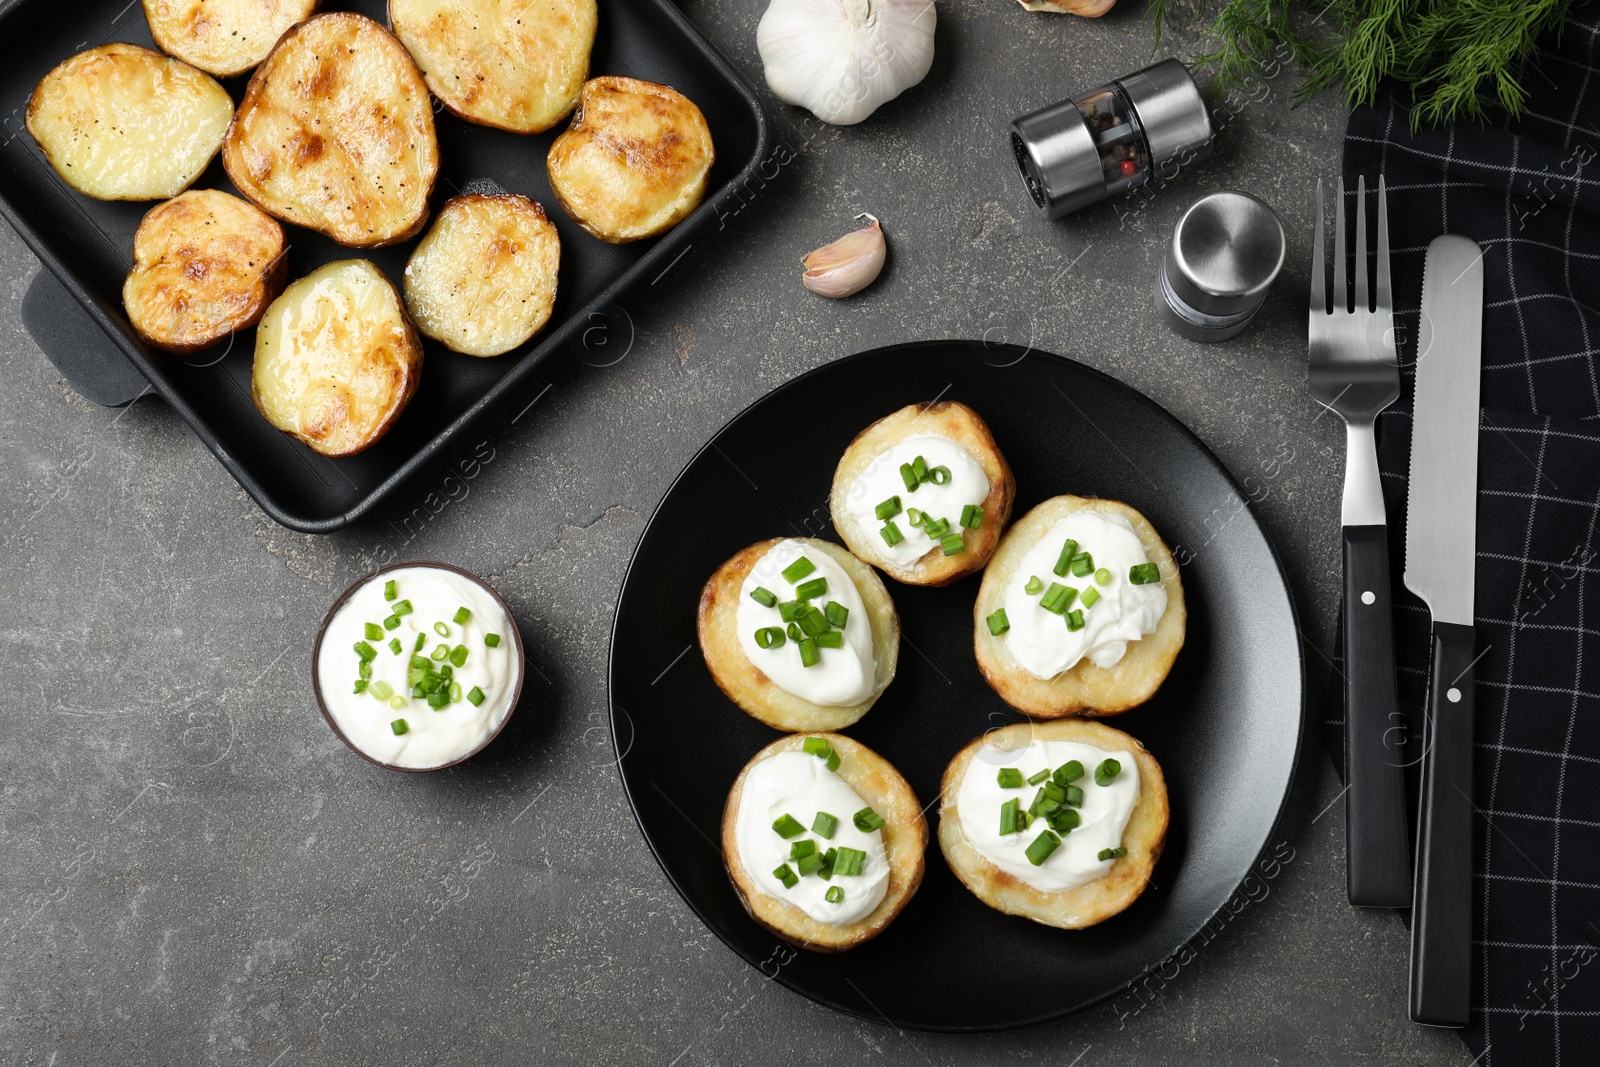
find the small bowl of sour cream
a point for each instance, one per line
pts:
(418, 666)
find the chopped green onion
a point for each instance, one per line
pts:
(458, 655)
(365, 651)
(395, 646)
(382, 690)
(1064, 560)
(1009, 778)
(446, 671)
(491, 640)
(763, 596)
(798, 569)
(972, 516)
(461, 616)
(422, 639)
(819, 748)
(475, 696)
(1024, 820)
(1034, 586)
(1107, 772)
(1074, 796)
(915, 517)
(1113, 853)
(790, 610)
(374, 632)
(455, 692)
(837, 614)
(417, 693)
(438, 699)
(998, 623)
(802, 848)
(787, 876)
(1058, 598)
(834, 895)
(1082, 565)
(441, 652)
(867, 820)
(402, 607)
(1074, 621)
(952, 544)
(1091, 597)
(770, 637)
(1035, 779)
(1144, 574)
(848, 861)
(813, 622)
(361, 686)
(825, 872)
(919, 467)
(1069, 772)
(788, 826)
(397, 702)
(888, 509)
(392, 622)
(399, 727)
(1103, 576)
(1008, 816)
(830, 639)
(824, 825)
(795, 633)
(891, 534)
(389, 590)
(809, 656)
(811, 864)
(1042, 846)
(939, 476)
(909, 476)
(1064, 820)
(441, 629)
(934, 528)
(811, 590)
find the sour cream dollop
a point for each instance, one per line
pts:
(1040, 640)
(881, 480)
(430, 738)
(843, 676)
(800, 785)
(1104, 815)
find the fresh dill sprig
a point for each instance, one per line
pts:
(1458, 58)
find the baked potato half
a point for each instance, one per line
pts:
(121, 122)
(336, 133)
(205, 265)
(1086, 688)
(1087, 904)
(869, 472)
(483, 280)
(905, 839)
(336, 358)
(222, 37)
(752, 688)
(634, 163)
(503, 63)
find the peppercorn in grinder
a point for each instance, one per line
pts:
(1112, 139)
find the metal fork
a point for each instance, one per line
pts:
(1354, 371)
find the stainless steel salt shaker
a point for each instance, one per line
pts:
(1225, 253)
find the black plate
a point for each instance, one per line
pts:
(88, 244)
(1225, 726)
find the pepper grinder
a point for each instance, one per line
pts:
(1224, 256)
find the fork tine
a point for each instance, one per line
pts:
(1341, 269)
(1361, 245)
(1385, 297)
(1319, 283)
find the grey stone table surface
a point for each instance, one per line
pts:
(195, 871)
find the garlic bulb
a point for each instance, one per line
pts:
(841, 59)
(1087, 8)
(849, 264)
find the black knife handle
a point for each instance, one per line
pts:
(1441, 913)
(1377, 841)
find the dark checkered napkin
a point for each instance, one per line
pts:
(1529, 193)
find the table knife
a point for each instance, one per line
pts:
(1441, 553)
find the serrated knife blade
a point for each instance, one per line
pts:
(1441, 557)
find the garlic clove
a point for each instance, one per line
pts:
(848, 265)
(1092, 9)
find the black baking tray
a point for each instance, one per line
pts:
(88, 245)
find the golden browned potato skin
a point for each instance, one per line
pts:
(222, 37)
(1092, 902)
(746, 684)
(483, 280)
(635, 161)
(510, 64)
(121, 122)
(1085, 689)
(205, 265)
(336, 359)
(944, 418)
(336, 134)
(905, 838)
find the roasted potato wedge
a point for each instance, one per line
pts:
(1087, 904)
(1086, 688)
(121, 122)
(634, 163)
(484, 279)
(205, 265)
(503, 63)
(905, 838)
(336, 133)
(336, 358)
(861, 462)
(747, 685)
(222, 37)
